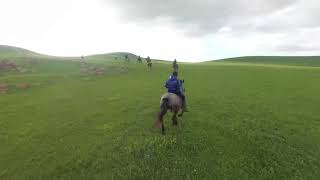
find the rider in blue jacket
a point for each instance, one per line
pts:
(174, 85)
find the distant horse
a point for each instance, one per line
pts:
(139, 60)
(169, 101)
(175, 67)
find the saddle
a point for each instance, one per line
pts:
(173, 99)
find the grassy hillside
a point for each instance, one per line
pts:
(312, 61)
(118, 55)
(15, 52)
(246, 122)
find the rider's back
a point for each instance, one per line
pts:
(173, 85)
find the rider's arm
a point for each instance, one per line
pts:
(166, 85)
(178, 86)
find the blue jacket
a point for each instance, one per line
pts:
(173, 85)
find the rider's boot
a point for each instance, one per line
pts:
(184, 106)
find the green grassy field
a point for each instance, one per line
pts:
(247, 121)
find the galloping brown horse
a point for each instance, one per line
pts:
(169, 101)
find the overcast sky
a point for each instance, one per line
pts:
(189, 30)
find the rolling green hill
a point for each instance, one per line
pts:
(12, 52)
(312, 61)
(119, 55)
(248, 119)
(20, 53)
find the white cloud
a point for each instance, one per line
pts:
(188, 30)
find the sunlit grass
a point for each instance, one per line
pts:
(246, 122)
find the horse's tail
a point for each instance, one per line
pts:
(163, 110)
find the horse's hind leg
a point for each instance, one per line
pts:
(175, 119)
(163, 130)
(181, 114)
(162, 124)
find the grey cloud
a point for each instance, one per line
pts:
(207, 15)
(300, 15)
(296, 20)
(296, 47)
(301, 40)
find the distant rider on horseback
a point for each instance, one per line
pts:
(175, 65)
(149, 62)
(174, 85)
